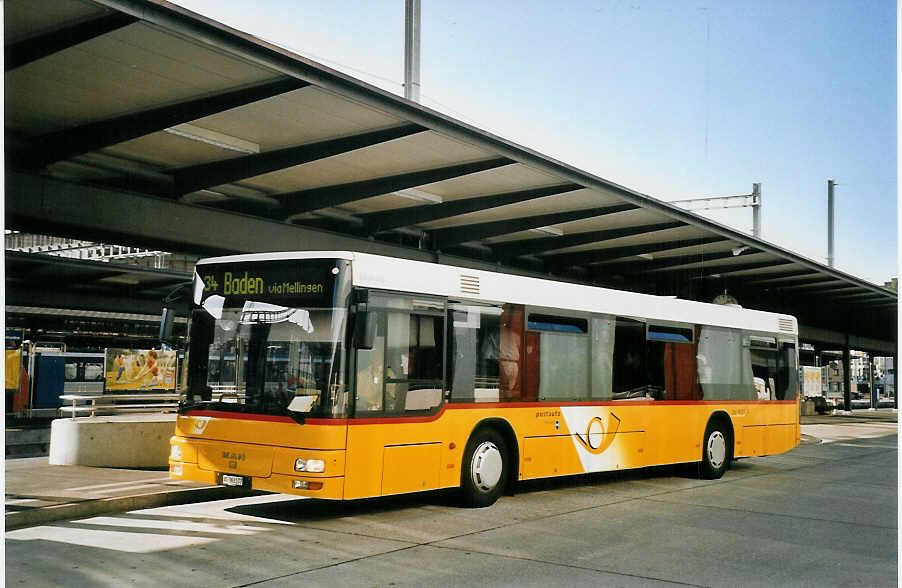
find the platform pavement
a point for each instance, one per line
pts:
(37, 492)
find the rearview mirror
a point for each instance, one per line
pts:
(175, 301)
(167, 320)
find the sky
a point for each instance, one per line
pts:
(675, 99)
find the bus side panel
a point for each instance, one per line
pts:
(394, 457)
(754, 441)
(782, 427)
(410, 468)
(548, 456)
(765, 428)
(675, 433)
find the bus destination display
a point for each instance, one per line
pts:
(311, 283)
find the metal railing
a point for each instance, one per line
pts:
(109, 403)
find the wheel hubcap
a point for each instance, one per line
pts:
(486, 466)
(717, 449)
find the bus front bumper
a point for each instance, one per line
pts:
(314, 487)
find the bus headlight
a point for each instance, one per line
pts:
(309, 465)
(176, 453)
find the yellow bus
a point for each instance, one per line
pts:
(342, 375)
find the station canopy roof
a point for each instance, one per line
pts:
(137, 121)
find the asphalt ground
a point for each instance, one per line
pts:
(37, 493)
(824, 514)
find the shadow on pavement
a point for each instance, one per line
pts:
(312, 509)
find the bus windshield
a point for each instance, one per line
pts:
(267, 343)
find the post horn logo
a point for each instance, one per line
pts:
(200, 425)
(599, 434)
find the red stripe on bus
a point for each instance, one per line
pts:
(221, 414)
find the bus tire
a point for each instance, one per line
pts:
(484, 469)
(716, 450)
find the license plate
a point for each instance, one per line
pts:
(228, 480)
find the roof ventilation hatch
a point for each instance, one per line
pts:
(469, 284)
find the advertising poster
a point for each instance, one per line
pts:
(13, 364)
(140, 369)
(811, 381)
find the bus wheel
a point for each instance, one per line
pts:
(716, 451)
(484, 468)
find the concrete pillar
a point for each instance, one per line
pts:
(875, 398)
(846, 377)
(895, 380)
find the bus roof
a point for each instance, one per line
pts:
(418, 277)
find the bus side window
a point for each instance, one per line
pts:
(370, 370)
(671, 356)
(763, 354)
(787, 372)
(564, 358)
(403, 371)
(724, 371)
(416, 383)
(629, 376)
(511, 359)
(474, 353)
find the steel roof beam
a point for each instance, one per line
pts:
(19, 259)
(50, 206)
(777, 272)
(509, 250)
(727, 268)
(828, 284)
(24, 295)
(848, 296)
(317, 198)
(638, 267)
(294, 203)
(443, 238)
(24, 52)
(789, 278)
(602, 255)
(884, 306)
(642, 266)
(68, 143)
(206, 175)
(413, 215)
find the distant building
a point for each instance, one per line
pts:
(833, 380)
(886, 372)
